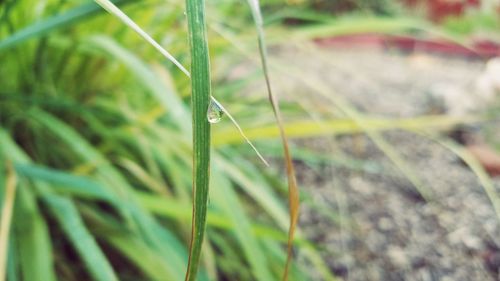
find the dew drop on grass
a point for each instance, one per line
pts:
(214, 112)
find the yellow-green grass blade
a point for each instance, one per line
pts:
(66, 183)
(293, 193)
(12, 262)
(200, 99)
(356, 24)
(33, 240)
(86, 188)
(158, 238)
(249, 180)
(49, 25)
(147, 76)
(224, 197)
(6, 215)
(148, 260)
(65, 212)
(68, 217)
(305, 129)
(482, 176)
(175, 210)
(132, 247)
(33, 245)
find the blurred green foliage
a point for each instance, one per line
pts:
(98, 128)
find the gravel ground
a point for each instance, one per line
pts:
(386, 230)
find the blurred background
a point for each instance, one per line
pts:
(391, 108)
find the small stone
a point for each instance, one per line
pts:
(398, 256)
(385, 224)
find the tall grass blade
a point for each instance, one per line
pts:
(66, 183)
(160, 239)
(63, 20)
(225, 197)
(200, 100)
(6, 217)
(66, 213)
(112, 9)
(151, 80)
(336, 126)
(477, 168)
(293, 193)
(68, 217)
(240, 130)
(34, 247)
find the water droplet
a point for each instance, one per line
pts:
(214, 112)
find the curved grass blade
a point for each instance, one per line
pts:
(166, 96)
(108, 5)
(66, 213)
(200, 100)
(328, 127)
(158, 238)
(293, 192)
(51, 24)
(33, 244)
(68, 217)
(240, 130)
(66, 183)
(112, 9)
(482, 176)
(6, 217)
(33, 240)
(225, 197)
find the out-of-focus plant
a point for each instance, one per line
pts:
(99, 135)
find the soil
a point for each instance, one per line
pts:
(384, 229)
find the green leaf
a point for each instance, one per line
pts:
(157, 237)
(65, 182)
(226, 199)
(200, 99)
(33, 245)
(293, 190)
(63, 20)
(68, 217)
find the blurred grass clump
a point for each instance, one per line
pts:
(97, 126)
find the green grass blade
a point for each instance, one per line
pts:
(149, 261)
(200, 99)
(52, 24)
(476, 167)
(158, 238)
(68, 217)
(66, 213)
(337, 126)
(293, 192)
(65, 182)
(12, 262)
(6, 217)
(32, 236)
(112, 9)
(165, 95)
(33, 245)
(225, 197)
